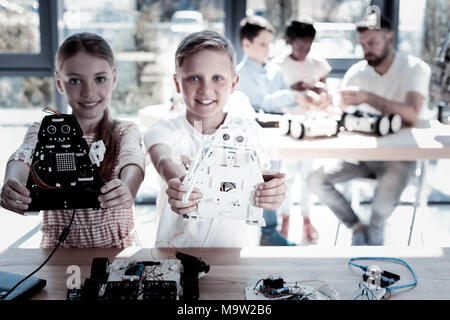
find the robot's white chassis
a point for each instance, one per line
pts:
(227, 172)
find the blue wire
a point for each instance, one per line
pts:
(364, 268)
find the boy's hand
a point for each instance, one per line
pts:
(116, 195)
(15, 196)
(175, 191)
(271, 193)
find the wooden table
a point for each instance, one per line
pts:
(232, 268)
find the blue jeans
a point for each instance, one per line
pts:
(271, 222)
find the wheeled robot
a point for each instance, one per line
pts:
(300, 126)
(371, 123)
(145, 280)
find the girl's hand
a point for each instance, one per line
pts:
(175, 192)
(271, 194)
(116, 195)
(15, 196)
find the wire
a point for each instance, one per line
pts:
(41, 184)
(51, 110)
(169, 242)
(61, 239)
(389, 289)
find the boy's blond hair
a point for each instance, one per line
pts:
(204, 40)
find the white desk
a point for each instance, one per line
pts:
(429, 139)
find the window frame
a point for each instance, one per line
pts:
(50, 12)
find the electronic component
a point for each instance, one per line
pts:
(377, 283)
(227, 172)
(127, 279)
(278, 289)
(62, 175)
(371, 123)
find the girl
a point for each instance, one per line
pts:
(86, 75)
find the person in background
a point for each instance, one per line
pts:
(307, 74)
(388, 82)
(262, 81)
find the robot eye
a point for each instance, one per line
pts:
(51, 129)
(239, 139)
(226, 137)
(65, 129)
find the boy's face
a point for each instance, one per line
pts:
(258, 48)
(206, 80)
(300, 48)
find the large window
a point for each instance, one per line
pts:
(411, 27)
(19, 22)
(144, 35)
(336, 37)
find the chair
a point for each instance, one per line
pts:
(420, 200)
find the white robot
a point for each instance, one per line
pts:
(371, 123)
(301, 126)
(227, 171)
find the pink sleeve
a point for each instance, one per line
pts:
(131, 149)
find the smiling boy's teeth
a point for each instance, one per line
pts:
(208, 101)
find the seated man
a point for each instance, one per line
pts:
(388, 82)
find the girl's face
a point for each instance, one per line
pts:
(300, 48)
(88, 82)
(205, 80)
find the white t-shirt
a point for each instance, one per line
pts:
(183, 139)
(407, 73)
(309, 70)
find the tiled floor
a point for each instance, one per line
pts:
(431, 228)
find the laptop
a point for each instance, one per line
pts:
(24, 291)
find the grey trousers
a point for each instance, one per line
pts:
(392, 178)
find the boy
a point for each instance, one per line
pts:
(205, 76)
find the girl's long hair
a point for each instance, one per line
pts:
(96, 46)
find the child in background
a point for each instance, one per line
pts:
(305, 74)
(86, 74)
(301, 71)
(205, 76)
(263, 82)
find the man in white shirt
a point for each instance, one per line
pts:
(388, 82)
